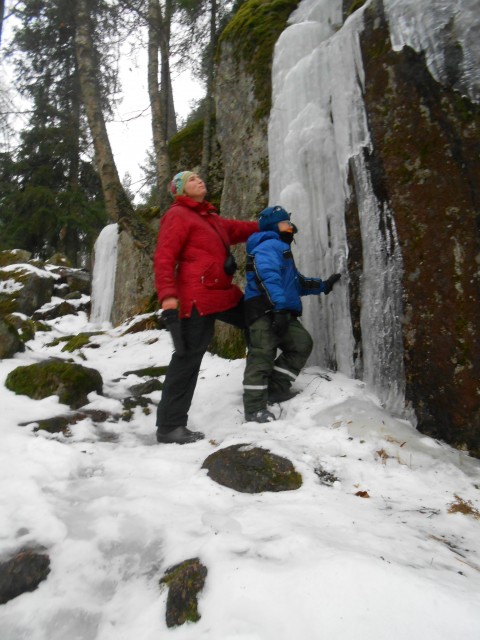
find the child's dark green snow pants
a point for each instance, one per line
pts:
(265, 372)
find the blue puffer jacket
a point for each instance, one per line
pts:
(273, 282)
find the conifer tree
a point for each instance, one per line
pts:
(53, 202)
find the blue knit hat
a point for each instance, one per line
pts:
(270, 217)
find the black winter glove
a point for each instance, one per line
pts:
(280, 322)
(172, 322)
(330, 282)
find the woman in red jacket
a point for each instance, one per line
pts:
(193, 277)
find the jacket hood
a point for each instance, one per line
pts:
(259, 237)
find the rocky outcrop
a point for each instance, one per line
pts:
(425, 166)
(243, 139)
(374, 136)
(134, 283)
(243, 100)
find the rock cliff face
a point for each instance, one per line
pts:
(134, 283)
(385, 170)
(243, 140)
(427, 166)
(386, 190)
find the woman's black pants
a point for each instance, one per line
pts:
(182, 373)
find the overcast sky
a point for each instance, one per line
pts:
(131, 132)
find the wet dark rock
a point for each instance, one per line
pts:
(31, 290)
(62, 423)
(62, 290)
(25, 326)
(76, 279)
(425, 167)
(153, 321)
(71, 382)
(252, 470)
(325, 476)
(184, 581)
(23, 572)
(144, 388)
(73, 295)
(148, 371)
(57, 311)
(10, 342)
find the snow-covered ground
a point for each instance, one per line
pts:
(114, 510)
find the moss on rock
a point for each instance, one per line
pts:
(252, 470)
(71, 382)
(10, 341)
(81, 340)
(184, 581)
(14, 256)
(253, 32)
(25, 327)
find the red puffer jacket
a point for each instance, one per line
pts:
(190, 255)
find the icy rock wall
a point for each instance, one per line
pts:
(372, 147)
(318, 131)
(103, 280)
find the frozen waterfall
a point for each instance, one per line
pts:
(319, 144)
(318, 133)
(103, 281)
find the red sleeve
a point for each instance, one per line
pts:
(172, 235)
(239, 230)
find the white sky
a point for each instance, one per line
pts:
(114, 510)
(131, 138)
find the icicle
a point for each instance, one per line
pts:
(103, 281)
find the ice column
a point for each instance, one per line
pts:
(317, 131)
(103, 281)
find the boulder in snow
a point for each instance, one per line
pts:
(23, 572)
(252, 470)
(71, 382)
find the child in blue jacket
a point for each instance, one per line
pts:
(272, 307)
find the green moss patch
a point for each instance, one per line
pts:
(71, 382)
(81, 340)
(252, 470)
(252, 33)
(184, 581)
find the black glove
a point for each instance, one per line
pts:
(172, 322)
(330, 282)
(280, 322)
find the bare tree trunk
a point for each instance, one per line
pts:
(208, 114)
(2, 14)
(158, 40)
(116, 200)
(166, 90)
